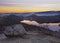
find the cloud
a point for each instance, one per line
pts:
(11, 4)
(31, 1)
(7, 4)
(31, 4)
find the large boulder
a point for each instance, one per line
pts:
(15, 30)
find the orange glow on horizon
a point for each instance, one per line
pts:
(16, 10)
(10, 10)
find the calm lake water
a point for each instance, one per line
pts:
(54, 28)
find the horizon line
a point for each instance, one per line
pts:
(30, 12)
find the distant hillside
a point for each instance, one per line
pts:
(9, 20)
(47, 13)
(41, 17)
(44, 19)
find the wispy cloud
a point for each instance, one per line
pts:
(12, 4)
(31, 4)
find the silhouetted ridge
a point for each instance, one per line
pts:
(10, 20)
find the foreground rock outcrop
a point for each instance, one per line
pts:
(14, 30)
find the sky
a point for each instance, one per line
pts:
(29, 5)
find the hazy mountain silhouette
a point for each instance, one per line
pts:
(41, 17)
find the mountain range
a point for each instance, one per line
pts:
(40, 17)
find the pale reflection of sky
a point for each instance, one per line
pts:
(54, 28)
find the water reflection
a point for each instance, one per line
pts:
(54, 28)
